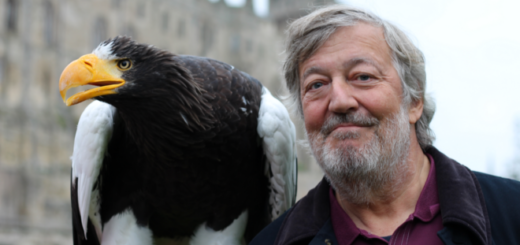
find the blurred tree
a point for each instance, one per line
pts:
(514, 165)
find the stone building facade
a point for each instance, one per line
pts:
(38, 38)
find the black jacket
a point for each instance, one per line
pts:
(476, 208)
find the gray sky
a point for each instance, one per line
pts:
(471, 49)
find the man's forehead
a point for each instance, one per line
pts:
(364, 42)
(360, 34)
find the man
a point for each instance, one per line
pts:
(359, 84)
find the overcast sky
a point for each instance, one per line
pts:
(472, 50)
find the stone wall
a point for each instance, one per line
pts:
(38, 38)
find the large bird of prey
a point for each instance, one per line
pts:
(175, 147)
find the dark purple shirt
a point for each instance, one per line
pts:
(421, 227)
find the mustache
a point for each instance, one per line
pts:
(358, 119)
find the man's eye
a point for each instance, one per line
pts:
(364, 77)
(316, 85)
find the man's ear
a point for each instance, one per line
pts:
(415, 111)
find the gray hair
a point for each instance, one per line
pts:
(307, 34)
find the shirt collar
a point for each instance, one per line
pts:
(344, 228)
(428, 203)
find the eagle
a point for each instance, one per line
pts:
(174, 148)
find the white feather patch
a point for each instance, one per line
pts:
(104, 51)
(122, 229)
(90, 144)
(279, 136)
(231, 235)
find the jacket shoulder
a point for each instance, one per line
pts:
(269, 233)
(302, 222)
(498, 188)
(502, 198)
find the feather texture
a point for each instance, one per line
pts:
(90, 144)
(277, 131)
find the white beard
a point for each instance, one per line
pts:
(361, 173)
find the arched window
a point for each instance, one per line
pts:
(47, 85)
(249, 45)
(49, 24)
(141, 9)
(165, 21)
(181, 28)
(116, 3)
(206, 36)
(100, 32)
(2, 77)
(11, 14)
(234, 43)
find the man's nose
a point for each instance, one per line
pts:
(342, 97)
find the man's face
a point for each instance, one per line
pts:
(351, 73)
(358, 128)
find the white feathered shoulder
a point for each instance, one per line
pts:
(278, 133)
(90, 144)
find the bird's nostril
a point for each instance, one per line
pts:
(88, 63)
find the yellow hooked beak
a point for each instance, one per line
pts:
(90, 70)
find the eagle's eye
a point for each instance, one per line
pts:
(124, 64)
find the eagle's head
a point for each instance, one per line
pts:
(123, 70)
(142, 82)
